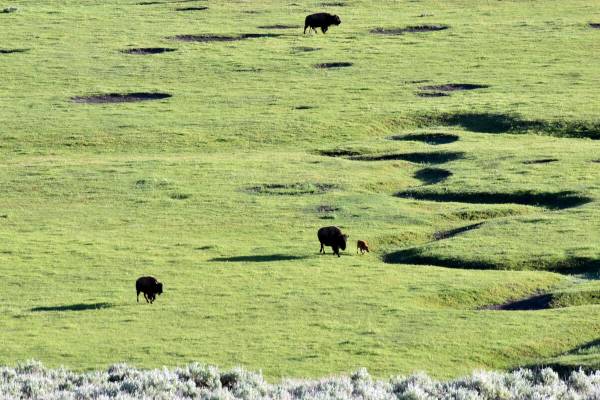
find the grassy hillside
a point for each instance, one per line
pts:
(469, 198)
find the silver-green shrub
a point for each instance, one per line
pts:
(31, 380)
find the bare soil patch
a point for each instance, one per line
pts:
(432, 94)
(149, 50)
(439, 157)
(441, 235)
(453, 87)
(537, 302)
(548, 200)
(11, 51)
(408, 29)
(119, 97)
(279, 26)
(429, 138)
(541, 161)
(205, 38)
(201, 8)
(341, 64)
(431, 176)
(303, 49)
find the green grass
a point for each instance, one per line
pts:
(219, 190)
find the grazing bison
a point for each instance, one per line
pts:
(149, 286)
(363, 246)
(332, 236)
(321, 20)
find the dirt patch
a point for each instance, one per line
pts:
(594, 25)
(205, 38)
(11, 51)
(541, 161)
(201, 8)
(431, 176)
(149, 50)
(453, 87)
(326, 208)
(432, 94)
(548, 200)
(334, 65)
(510, 123)
(303, 49)
(537, 302)
(279, 26)
(291, 189)
(339, 153)
(429, 138)
(408, 29)
(420, 158)
(120, 97)
(441, 235)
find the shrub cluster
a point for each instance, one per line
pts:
(31, 380)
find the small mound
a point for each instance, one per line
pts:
(279, 26)
(548, 200)
(291, 189)
(594, 25)
(441, 235)
(11, 51)
(420, 158)
(149, 50)
(305, 49)
(204, 38)
(408, 29)
(431, 176)
(432, 94)
(119, 97)
(429, 138)
(334, 65)
(538, 302)
(541, 161)
(191, 9)
(453, 87)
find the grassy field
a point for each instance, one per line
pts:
(219, 190)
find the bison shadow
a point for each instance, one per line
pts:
(74, 307)
(258, 258)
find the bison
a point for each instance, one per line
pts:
(321, 20)
(332, 236)
(150, 286)
(363, 246)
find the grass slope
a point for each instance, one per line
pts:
(219, 190)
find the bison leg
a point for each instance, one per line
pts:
(305, 26)
(138, 296)
(324, 29)
(146, 297)
(322, 249)
(336, 250)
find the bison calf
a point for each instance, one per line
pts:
(363, 246)
(332, 236)
(150, 287)
(321, 20)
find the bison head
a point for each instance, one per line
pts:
(159, 288)
(343, 240)
(336, 20)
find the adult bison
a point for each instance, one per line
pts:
(321, 20)
(150, 286)
(332, 236)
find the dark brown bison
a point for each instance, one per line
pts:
(149, 286)
(321, 20)
(332, 236)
